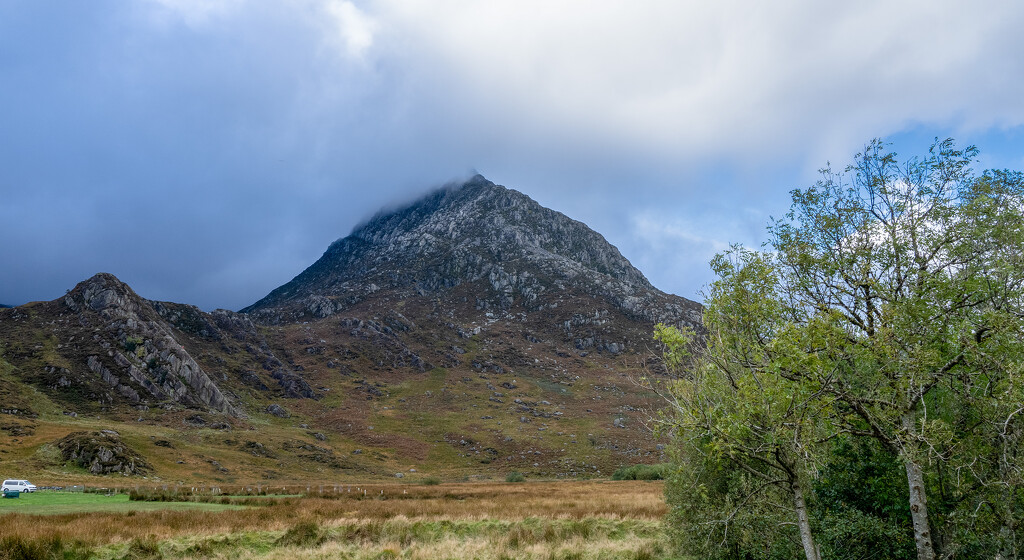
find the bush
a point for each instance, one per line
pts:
(514, 477)
(132, 342)
(642, 472)
(861, 505)
(430, 481)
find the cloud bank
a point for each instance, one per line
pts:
(207, 151)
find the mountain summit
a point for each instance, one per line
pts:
(478, 238)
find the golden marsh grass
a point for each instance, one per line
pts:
(578, 519)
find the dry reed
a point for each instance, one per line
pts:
(360, 504)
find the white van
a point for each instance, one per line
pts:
(18, 486)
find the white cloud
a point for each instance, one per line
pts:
(319, 111)
(699, 79)
(659, 233)
(354, 28)
(678, 80)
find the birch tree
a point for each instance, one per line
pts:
(739, 421)
(912, 274)
(889, 305)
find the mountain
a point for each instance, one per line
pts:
(471, 332)
(478, 238)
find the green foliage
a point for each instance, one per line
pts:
(430, 481)
(515, 476)
(642, 472)
(890, 306)
(717, 513)
(675, 344)
(908, 279)
(747, 430)
(861, 504)
(131, 343)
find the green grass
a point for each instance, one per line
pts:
(54, 503)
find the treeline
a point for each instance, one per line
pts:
(857, 393)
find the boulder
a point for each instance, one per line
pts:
(278, 410)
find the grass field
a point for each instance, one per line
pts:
(549, 520)
(58, 503)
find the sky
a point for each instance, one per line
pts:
(207, 151)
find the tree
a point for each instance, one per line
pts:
(888, 306)
(911, 278)
(746, 428)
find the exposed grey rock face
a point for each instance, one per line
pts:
(278, 410)
(142, 352)
(221, 324)
(522, 255)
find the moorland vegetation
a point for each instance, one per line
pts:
(566, 519)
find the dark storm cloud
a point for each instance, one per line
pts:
(183, 160)
(206, 151)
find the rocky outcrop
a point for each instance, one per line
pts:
(278, 410)
(102, 453)
(142, 355)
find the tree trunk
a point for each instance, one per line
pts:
(806, 538)
(918, 507)
(919, 511)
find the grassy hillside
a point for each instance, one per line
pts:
(501, 403)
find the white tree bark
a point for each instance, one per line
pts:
(806, 538)
(918, 501)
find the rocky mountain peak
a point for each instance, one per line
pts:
(521, 254)
(103, 293)
(505, 222)
(137, 355)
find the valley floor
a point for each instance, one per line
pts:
(557, 520)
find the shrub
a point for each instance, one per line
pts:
(642, 472)
(431, 481)
(132, 342)
(514, 476)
